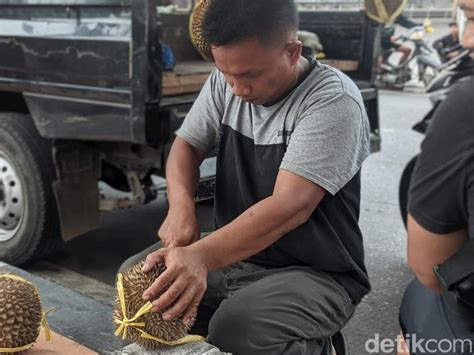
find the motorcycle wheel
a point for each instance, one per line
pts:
(427, 75)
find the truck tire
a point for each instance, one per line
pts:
(29, 222)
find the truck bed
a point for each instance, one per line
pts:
(186, 78)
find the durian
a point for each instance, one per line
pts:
(134, 283)
(20, 313)
(384, 11)
(195, 29)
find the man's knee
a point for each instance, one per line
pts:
(238, 329)
(129, 263)
(231, 328)
(135, 259)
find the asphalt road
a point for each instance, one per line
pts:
(89, 263)
(385, 236)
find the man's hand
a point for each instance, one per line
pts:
(185, 279)
(179, 229)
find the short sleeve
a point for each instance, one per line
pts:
(330, 142)
(442, 184)
(437, 198)
(202, 123)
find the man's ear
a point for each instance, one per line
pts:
(293, 48)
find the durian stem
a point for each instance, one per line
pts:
(45, 325)
(382, 15)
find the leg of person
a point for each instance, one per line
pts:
(292, 310)
(138, 257)
(406, 51)
(424, 315)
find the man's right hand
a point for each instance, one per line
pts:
(179, 229)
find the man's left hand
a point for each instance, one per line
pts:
(185, 281)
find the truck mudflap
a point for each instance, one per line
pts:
(76, 190)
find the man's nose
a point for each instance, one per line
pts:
(240, 89)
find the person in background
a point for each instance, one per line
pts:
(445, 46)
(441, 219)
(389, 39)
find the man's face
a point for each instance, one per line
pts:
(454, 30)
(258, 74)
(468, 37)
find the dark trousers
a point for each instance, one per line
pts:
(425, 315)
(251, 309)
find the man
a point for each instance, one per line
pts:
(284, 270)
(445, 45)
(441, 218)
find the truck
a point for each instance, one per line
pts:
(85, 97)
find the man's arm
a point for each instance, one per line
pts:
(182, 171)
(405, 22)
(293, 201)
(427, 249)
(180, 227)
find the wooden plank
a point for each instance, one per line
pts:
(183, 84)
(187, 78)
(342, 65)
(193, 67)
(58, 345)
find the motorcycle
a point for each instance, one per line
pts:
(421, 64)
(459, 68)
(450, 73)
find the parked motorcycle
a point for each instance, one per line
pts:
(422, 63)
(450, 74)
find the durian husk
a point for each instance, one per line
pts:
(20, 313)
(195, 29)
(135, 282)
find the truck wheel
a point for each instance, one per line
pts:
(29, 222)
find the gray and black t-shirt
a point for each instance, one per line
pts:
(319, 131)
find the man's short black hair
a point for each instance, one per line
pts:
(453, 24)
(233, 21)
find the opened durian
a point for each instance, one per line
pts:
(195, 29)
(133, 318)
(21, 314)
